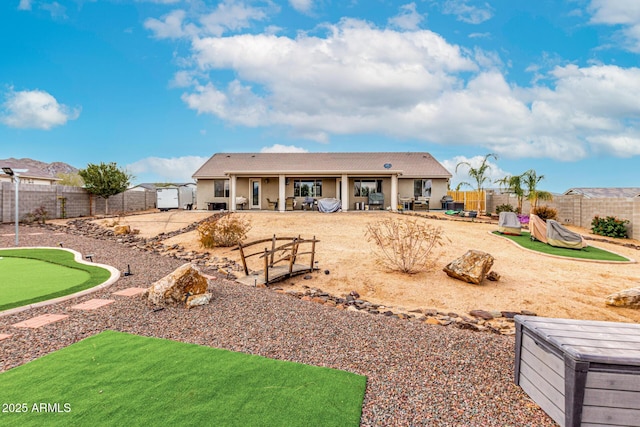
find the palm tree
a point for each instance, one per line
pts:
(513, 184)
(531, 180)
(479, 174)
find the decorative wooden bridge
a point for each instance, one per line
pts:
(279, 262)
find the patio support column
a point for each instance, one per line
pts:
(282, 200)
(232, 193)
(394, 193)
(345, 192)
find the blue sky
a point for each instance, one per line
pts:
(158, 86)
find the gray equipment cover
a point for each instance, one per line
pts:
(538, 228)
(329, 205)
(508, 223)
(560, 236)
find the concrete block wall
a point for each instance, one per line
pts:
(579, 211)
(67, 202)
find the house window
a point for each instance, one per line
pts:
(422, 188)
(221, 188)
(307, 188)
(365, 186)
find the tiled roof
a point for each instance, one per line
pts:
(31, 171)
(414, 164)
(612, 192)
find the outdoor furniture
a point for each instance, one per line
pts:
(241, 201)
(329, 205)
(407, 203)
(580, 372)
(376, 199)
(309, 203)
(290, 203)
(273, 204)
(421, 204)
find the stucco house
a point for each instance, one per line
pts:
(28, 174)
(263, 180)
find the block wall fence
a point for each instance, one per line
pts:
(579, 211)
(61, 201)
(71, 202)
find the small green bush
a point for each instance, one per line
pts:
(545, 213)
(404, 246)
(225, 231)
(504, 208)
(609, 226)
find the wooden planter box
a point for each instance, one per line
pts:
(581, 373)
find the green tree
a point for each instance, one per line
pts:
(513, 184)
(531, 181)
(479, 174)
(72, 179)
(105, 180)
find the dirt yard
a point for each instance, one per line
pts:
(545, 285)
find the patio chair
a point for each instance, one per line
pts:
(406, 202)
(241, 201)
(309, 203)
(290, 204)
(272, 204)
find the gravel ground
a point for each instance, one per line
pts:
(417, 374)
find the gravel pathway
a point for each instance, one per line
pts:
(417, 374)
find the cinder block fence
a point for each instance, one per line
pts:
(61, 201)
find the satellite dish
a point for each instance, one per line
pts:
(387, 165)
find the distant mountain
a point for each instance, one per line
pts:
(49, 169)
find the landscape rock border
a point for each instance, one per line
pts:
(501, 322)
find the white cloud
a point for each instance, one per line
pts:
(493, 173)
(302, 6)
(56, 10)
(468, 13)
(357, 78)
(174, 169)
(169, 27)
(279, 148)
(35, 109)
(619, 12)
(228, 15)
(408, 18)
(24, 5)
(346, 82)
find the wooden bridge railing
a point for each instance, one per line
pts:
(287, 252)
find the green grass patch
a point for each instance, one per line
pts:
(588, 253)
(116, 378)
(29, 276)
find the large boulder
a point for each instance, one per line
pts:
(177, 286)
(471, 267)
(627, 298)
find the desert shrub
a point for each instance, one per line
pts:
(39, 215)
(224, 231)
(504, 208)
(609, 226)
(545, 213)
(404, 245)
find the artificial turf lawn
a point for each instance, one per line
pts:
(116, 378)
(589, 252)
(28, 276)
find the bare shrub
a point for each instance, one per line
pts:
(545, 212)
(225, 231)
(39, 215)
(404, 245)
